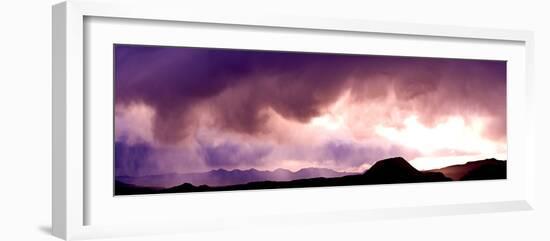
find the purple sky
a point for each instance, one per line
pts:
(181, 109)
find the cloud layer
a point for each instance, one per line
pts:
(240, 108)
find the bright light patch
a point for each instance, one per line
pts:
(135, 122)
(328, 122)
(428, 163)
(334, 119)
(453, 134)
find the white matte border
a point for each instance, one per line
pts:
(68, 151)
(192, 209)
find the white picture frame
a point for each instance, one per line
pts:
(73, 186)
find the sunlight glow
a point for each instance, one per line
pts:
(428, 163)
(335, 118)
(328, 122)
(453, 134)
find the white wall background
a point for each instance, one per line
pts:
(25, 120)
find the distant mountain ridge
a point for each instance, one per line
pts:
(387, 171)
(222, 177)
(391, 170)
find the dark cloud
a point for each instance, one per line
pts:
(174, 80)
(238, 85)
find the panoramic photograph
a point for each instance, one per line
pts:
(189, 119)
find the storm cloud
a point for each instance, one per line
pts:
(240, 94)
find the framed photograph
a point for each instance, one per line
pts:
(177, 120)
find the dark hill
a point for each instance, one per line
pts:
(122, 188)
(393, 170)
(396, 165)
(398, 170)
(486, 171)
(476, 170)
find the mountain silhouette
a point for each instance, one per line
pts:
(387, 171)
(222, 177)
(476, 170)
(488, 170)
(394, 169)
(128, 189)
